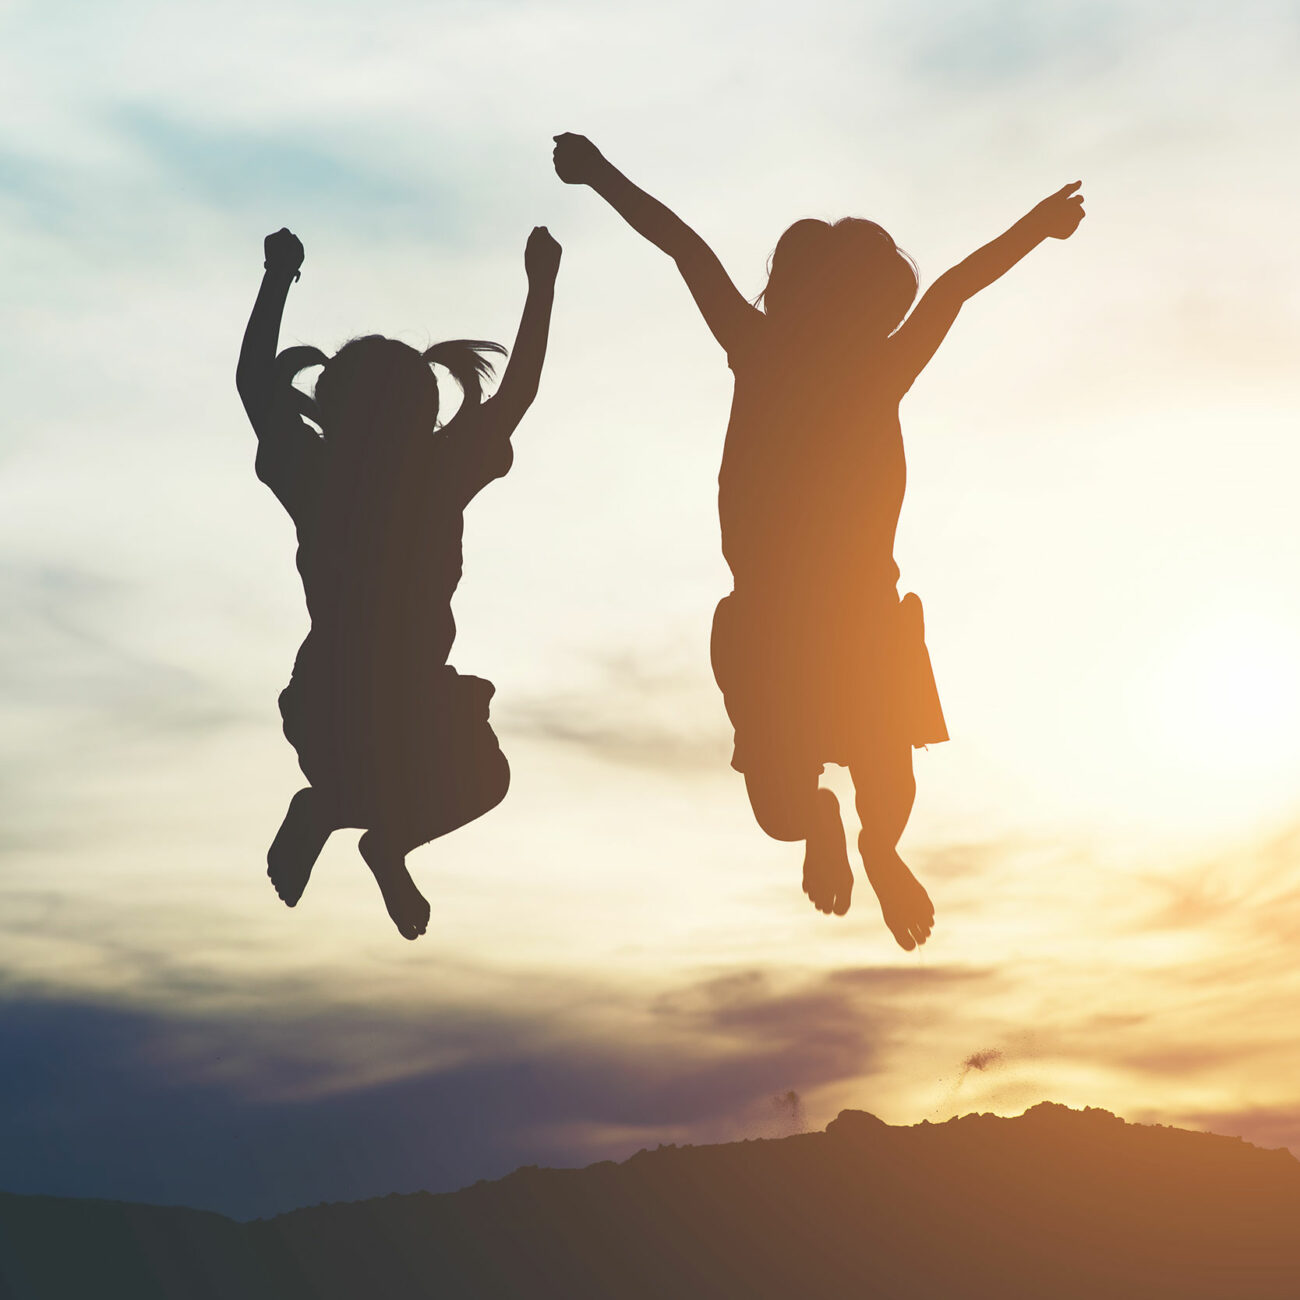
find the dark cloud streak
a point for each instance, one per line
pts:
(247, 1114)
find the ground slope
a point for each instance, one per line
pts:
(1055, 1203)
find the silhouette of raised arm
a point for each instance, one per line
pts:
(917, 339)
(518, 385)
(255, 374)
(725, 311)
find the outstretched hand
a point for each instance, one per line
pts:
(576, 159)
(283, 251)
(1060, 213)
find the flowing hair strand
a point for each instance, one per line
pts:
(464, 359)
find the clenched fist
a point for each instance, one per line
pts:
(577, 160)
(541, 255)
(284, 251)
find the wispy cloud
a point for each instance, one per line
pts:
(453, 1092)
(661, 713)
(221, 166)
(77, 696)
(62, 648)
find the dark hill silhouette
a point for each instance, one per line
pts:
(1055, 1203)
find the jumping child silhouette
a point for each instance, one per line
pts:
(390, 737)
(818, 659)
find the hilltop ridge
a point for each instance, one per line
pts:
(1053, 1203)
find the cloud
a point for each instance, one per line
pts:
(1263, 1125)
(320, 178)
(992, 46)
(1251, 891)
(227, 1111)
(663, 714)
(77, 698)
(62, 652)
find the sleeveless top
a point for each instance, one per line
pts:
(812, 477)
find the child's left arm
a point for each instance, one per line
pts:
(918, 338)
(524, 372)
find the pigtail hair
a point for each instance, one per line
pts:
(287, 366)
(464, 359)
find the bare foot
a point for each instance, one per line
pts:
(827, 876)
(297, 845)
(903, 901)
(406, 905)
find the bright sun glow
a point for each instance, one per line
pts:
(1227, 700)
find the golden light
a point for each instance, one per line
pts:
(1224, 702)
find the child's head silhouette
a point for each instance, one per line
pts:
(838, 279)
(376, 390)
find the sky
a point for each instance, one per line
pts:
(1100, 520)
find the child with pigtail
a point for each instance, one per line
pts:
(390, 737)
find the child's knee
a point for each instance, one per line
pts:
(783, 803)
(483, 785)
(885, 800)
(496, 780)
(317, 808)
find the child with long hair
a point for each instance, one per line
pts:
(390, 737)
(818, 659)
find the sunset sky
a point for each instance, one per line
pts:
(1104, 461)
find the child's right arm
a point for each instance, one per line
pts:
(255, 374)
(918, 338)
(730, 318)
(287, 447)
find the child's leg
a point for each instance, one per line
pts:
(788, 805)
(387, 861)
(885, 790)
(297, 844)
(471, 783)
